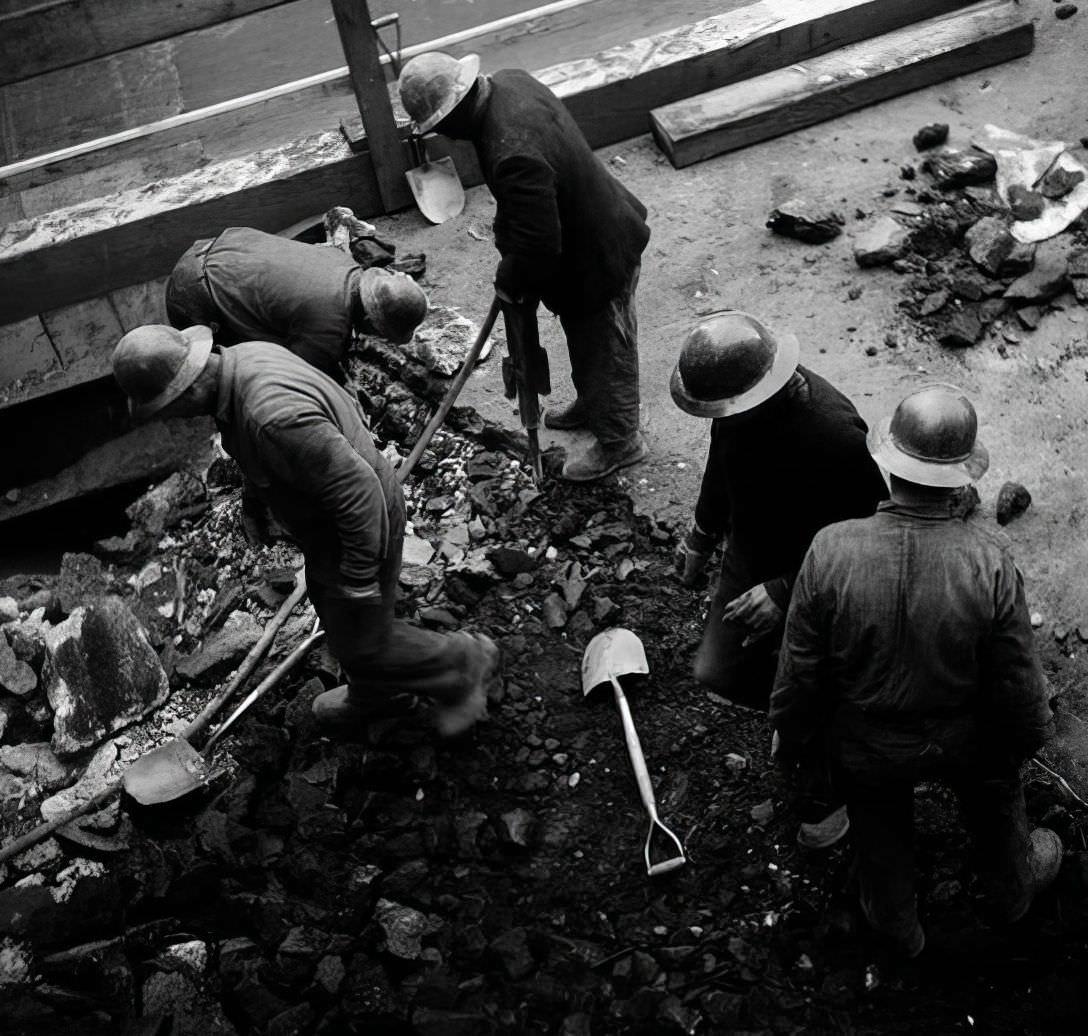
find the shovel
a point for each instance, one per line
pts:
(614, 653)
(435, 185)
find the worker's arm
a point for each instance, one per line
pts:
(1014, 707)
(314, 459)
(798, 700)
(527, 228)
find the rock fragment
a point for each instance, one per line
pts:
(881, 244)
(930, 136)
(994, 250)
(221, 653)
(1012, 501)
(805, 221)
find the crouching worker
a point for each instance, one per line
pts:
(249, 286)
(302, 442)
(787, 457)
(908, 650)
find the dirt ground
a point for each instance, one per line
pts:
(517, 855)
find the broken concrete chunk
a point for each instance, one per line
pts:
(100, 674)
(1025, 203)
(555, 611)
(952, 168)
(963, 330)
(36, 762)
(9, 610)
(403, 928)
(16, 676)
(995, 251)
(221, 653)
(1059, 182)
(934, 302)
(1047, 279)
(1012, 501)
(510, 561)
(881, 244)
(933, 135)
(805, 222)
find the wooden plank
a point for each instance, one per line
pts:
(611, 93)
(53, 34)
(360, 42)
(788, 99)
(26, 357)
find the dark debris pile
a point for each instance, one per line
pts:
(396, 885)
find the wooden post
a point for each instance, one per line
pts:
(387, 154)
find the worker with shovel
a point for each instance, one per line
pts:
(302, 441)
(787, 457)
(909, 651)
(248, 286)
(569, 234)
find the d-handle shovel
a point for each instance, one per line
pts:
(609, 655)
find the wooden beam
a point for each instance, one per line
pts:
(57, 33)
(862, 74)
(360, 42)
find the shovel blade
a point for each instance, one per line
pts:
(437, 189)
(615, 652)
(166, 773)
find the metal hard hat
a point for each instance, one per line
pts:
(188, 300)
(432, 85)
(394, 303)
(931, 439)
(730, 363)
(155, 364)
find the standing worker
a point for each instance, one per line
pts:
(569, 234)
(301, 440)
(787, 457)
(251, 286)
(909, 653)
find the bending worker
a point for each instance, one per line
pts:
(909, 656)
(301, 440)
(247, 286)
(787, 457)
(568, 232)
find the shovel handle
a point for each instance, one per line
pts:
(634, 750)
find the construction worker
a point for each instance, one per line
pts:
(908, 651)
(568, 232)
(251, 286)
(787, 457)
(302, 441)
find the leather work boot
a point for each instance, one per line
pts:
(596, 462)
(456, 717)
(822, 834)
(1046, 861)
(567, 418)
(340, 710)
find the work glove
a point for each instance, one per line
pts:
(692, 554)
(756, 609)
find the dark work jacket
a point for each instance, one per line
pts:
(775, 477)
(568, 231)
(910, 627)
(274, 289)
(302, 442)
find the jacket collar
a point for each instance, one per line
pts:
(946, 508)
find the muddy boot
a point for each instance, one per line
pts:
(1046, 861)
(599, 461)
(567, 418)
(824, 832)
(455, 717)
(340, 711)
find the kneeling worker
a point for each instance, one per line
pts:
(909, 653)
(301, 440)
(250, 286)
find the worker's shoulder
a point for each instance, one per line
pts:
(987, 537)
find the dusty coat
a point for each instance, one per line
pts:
(907, 625)
(302, 441)
(267, 288)
(569, 232)
(773, 478)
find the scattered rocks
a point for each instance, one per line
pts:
(222, 652)
(100, 674)
(36, 762)
(9, 610)
(933, 135)
(16, 676)
(1025, 204)
(1012, 501)
(881, 244)
(951, 168)
(963, 330)
(993, 249)
(805, 221)
(1063, 11)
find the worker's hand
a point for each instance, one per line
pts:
(692, 554)
(756, 609)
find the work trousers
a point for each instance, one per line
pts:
(743, 674)
(397, 657)
(603, 348)
(877, 780)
